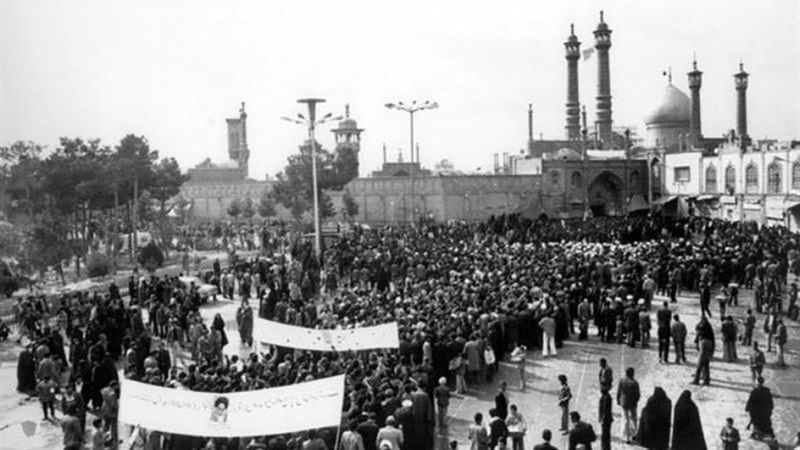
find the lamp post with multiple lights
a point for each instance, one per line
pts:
(311, 123)
(411, 109)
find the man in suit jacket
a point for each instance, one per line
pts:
(605, 418)
(606, 375)
(391, 434)
(581, 432)
(628, 398)
(501, 401)
(498, 431)
(546, 436)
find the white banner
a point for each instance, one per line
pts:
(285, 409)
(276, 333)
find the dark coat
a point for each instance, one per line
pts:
(655, 422)
(687, 432)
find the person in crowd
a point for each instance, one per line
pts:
(547, 435)
(729, 436)
(759, 406)
(706, 347)
(442, 396)
(244, 320)
(390, 434)
(729, 336)
(663, 316)
(519, 356)
(26, 371)
(780, 340)
(687, 430)
(351, 439)
(501, 401)
(46, 390)
(71, 428)
(581, 433)
(628, 395)
(498, 431)
(606, 375)
(757, 361)
(564, 397)
(656, 420)
(605, 417)
(749, 326)
(72, 403)
(477, 434)
(516, 428)
(678, 332)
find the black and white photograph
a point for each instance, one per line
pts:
(416, 225)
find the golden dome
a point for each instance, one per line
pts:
(673, 108)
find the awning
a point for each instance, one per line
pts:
(789, 204)
(665, 200)
(637, 204)
(707, 197)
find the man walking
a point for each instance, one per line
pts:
(663, 317)
(606, 374)
(703, 361)
(679, 339)
(581, 434)
(757, 361)
(628, 398)
(442, 395)
(605, 418)
(564, 396)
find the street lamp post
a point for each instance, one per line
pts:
(411, 109)
(311, 123)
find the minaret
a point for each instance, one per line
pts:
(695, 128)
(602, 42)
(530, 127)
(348, 135)
(573, 52)
(740, 80)
(244, 152)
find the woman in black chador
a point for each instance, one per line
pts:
(687, 431)
(654, 425)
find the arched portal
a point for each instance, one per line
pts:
(605, 195)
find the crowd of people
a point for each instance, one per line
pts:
(465, 296)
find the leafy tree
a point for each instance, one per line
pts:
(350, 204)
(294, 188)
(48, 245)
(151, 257)
(266, 207)
(97, 265)
(248, 210)
(235, 208)
(167, 180)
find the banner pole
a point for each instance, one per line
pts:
(338, 431)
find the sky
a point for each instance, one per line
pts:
(172, 71)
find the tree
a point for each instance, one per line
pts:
(294, 188)
(151, 257)
(350, 204)
(48, 245)
(248, 210)
(266, 207)
(235, 208)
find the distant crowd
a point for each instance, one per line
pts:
(465, 297)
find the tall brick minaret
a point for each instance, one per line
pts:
(740, 80)
(695, 126)
(573, 52)
(602, 42)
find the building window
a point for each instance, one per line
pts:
(730, 180)
(751, 179)
(774, 178)
(635, 181)
(711, 179)
(796, 175)
(682, 174)
(577, 180)
(555, 176)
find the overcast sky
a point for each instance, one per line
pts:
(174, 70)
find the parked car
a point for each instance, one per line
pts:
(206, 290)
